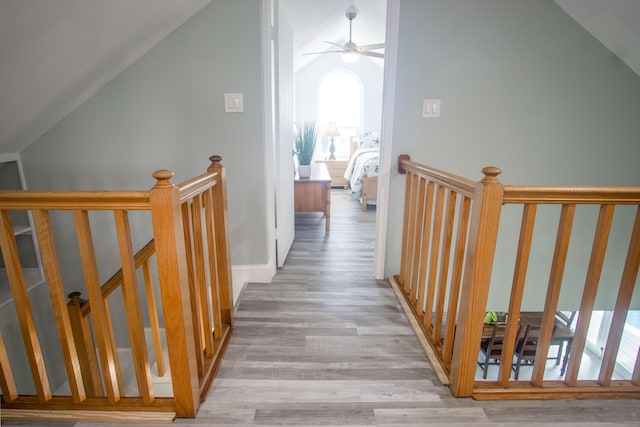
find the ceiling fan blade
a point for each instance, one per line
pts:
(335, 44)
(371, 46)
(374, 54)
(324, 51)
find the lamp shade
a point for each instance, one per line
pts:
(332, 129)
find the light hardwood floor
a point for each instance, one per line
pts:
(327, 345)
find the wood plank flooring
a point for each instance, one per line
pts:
(327, 345)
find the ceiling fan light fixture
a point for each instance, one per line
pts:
(349, 57)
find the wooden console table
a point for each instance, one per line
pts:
(313, 194)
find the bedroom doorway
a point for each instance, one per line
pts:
(307, 22)
(340, 93)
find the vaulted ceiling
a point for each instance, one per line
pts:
(55, 54)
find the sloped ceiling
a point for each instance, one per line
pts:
(55, 54)
(314, 22)
(616, 23)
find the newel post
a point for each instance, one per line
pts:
(483, 233)
(174, 289)
(223, 253)
(85, 345)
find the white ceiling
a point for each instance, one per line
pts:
(315, 22)
(55, 54)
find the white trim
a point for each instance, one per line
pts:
(243, 274)
(269, 142)
(388, 97)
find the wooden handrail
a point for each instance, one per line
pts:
(114, 281)
(453, 336)
(455, 182)
(518, 194)
(86, 327)
(75, 200)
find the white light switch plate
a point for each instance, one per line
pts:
(430, 108)
(233, 103)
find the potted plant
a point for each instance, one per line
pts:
(305, 144)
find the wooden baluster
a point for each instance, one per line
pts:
(434, 254)
(133, 308)
(598, 251)
(444, 265)
(214, 284)
(59, 304)
(456, 278)
(411, 233)
(402, 276)
(517, 290)
(153, 318)
(83, 337)
(422, 249)
(623, 302)
(18, 287)
(174, 289)
(7, 383)
(103, 327)
(553, 292)
(193, 292)
(223, 253)
(117, 371)
(485, 219)
(414, 280)
(200, 275)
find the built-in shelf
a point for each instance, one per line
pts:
(12, 178)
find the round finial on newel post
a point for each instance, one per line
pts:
(491, 173)
(163, 178)
(216, 162)
(75, 298)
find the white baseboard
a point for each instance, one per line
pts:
(243, 274)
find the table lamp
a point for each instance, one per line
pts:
(332, 131)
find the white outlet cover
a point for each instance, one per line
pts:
(233, 103)
(431, 108)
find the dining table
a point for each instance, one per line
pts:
(562, 334)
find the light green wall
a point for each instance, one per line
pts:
(523, 87)
(166, 112)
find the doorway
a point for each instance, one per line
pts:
(308, 71)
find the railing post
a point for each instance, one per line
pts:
(85, 346)
(223, 254)
(485, 219)
(174, 288)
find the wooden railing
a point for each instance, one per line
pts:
(187, 257)
(451, 226)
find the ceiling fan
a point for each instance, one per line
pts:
(350, 51)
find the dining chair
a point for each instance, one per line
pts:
(565, 320)
(492, 348)
(526, 347)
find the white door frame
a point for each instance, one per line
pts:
(386, 148)
(268, 98)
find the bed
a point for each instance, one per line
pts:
(362, 169)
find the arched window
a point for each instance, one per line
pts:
(340, 101)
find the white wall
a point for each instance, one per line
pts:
(523, 87)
